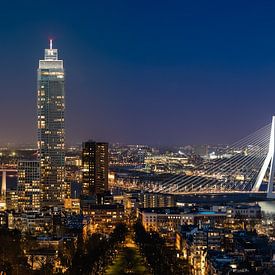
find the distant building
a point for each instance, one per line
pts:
(51, 128)
(247, 211)
(140, 199)
(240, 211)
(94, 168)
(29, 188)
(201, 150)
(168, 219)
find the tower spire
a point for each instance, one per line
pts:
(51, 44)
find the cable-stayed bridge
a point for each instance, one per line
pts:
(248, 165)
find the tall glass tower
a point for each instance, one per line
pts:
(51, 130)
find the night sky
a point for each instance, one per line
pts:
(157, 72)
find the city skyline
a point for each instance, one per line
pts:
(164, 84)
(141, 141)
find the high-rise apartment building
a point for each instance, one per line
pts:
(51, 130)
(95, 168)
(28, 187)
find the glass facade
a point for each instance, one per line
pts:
(51, 128)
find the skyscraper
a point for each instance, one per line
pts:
(51, 130)
(95, 168)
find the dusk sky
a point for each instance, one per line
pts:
(157, 72)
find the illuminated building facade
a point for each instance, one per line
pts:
(51, 130)
(104, 218)
(72, 205)
(95, 168)
(29, 191)
(12, 200)
(155, 219)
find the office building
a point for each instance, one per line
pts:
(51, 130)
(94, 168)
(29, 191)
(12, 199)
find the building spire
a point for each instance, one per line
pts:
(50, 53)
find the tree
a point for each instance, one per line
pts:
(11, 253)
(91, 256)
(161, 258)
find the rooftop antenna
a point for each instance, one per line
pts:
(51, 44)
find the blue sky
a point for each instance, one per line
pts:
(158, 72)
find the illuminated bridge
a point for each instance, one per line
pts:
(247, 166)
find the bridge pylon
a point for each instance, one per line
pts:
(4, 184)
(269, 162)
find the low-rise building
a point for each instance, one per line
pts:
(256, 249)
(218, 263)
(3, 219)
(241, 211)
(72, 205)
(168, 219)
(247, 211)
(104, 218)
(140, 199)
(193, 242)
(33, 223)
